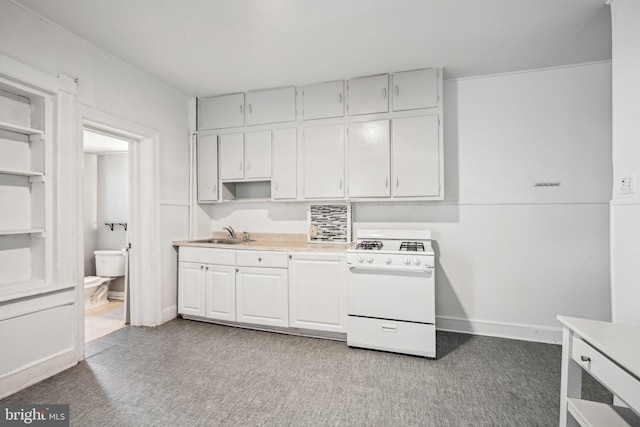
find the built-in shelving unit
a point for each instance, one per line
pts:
(25, 134)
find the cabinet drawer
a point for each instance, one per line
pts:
(207, 255)
(390, 335)
(606, 371)
(261, 259)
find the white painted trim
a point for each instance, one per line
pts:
(169, 313)
(28, 75)
(144, 232)
(115, 295)
(532, 70)
(543, 334)
(35, 372)
(624, 202)
(178, 204)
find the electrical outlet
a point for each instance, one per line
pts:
(627, 184)
(313, 231)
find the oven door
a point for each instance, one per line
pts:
(391, 293)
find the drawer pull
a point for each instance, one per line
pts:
(585, 358)
(389, 328)
(259, 259)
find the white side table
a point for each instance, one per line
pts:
(610, 352)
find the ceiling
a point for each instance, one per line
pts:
(208, 47)
(99, 143)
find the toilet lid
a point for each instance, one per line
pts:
(91, 279)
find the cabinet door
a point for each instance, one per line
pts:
(368, 95)
(262, 296)
(284, 172)
(271, 106)
(323, 161)
(416, 156)
(207, 158)
(257, 154)
(368, 159)
(323, 100)
(415, 89)
(191, 293)
(220, 290)
(219, 112)
(317, 292)
(231, 156)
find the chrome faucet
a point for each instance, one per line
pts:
(231, 232)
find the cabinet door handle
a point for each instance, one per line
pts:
(250, 109)
(384, 93)
(339, 98)
(397, 182)
(388, 328)
(276, 186)
(386, 183)
(206, 268)
(215, 188)
(248, 166)
(397, 90)
(241, 108)
(341, 183)
(290, 256)
(585, 358)
(201, 267)
(240, 166)
(259, 259)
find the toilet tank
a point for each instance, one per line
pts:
(109, 263)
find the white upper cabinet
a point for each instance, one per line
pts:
(323, 100)
(415, 89)
(323, 152)
(257, 153)
(220, 112)
(368, 159)
(231, 156)
(284, 171)
(368, 95)
(271, 106)
(416, 156)
(207, 158)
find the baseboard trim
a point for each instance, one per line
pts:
(543, 334)
(31, 374)
(115, 295)
(169, 313)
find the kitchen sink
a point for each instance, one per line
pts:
(229, 241)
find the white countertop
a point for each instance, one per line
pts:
(270, 242)
(621, 342)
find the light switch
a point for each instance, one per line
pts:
(627, 184)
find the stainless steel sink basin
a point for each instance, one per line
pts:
(229, 241)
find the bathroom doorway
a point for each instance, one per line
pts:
(106, 166)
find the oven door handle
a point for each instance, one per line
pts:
(425, 269)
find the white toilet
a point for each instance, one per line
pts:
(109, 265)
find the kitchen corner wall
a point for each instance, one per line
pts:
(511, 256)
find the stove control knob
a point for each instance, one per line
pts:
(387, 260)
(406, 260)
(416, 261)
(360, 258)
(369, 259)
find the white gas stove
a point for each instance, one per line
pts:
(391, 292)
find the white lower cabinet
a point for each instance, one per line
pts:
(317, 291)
(191, 292)
(262, 288)
(262, 296)
(220, 292)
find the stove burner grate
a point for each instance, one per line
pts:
(412, 246)
(369, 245)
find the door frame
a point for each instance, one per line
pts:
(145, 299)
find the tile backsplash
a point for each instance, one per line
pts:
(329, 223)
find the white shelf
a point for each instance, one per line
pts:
(20, 129)
(594, 414)
(20, 172)
(21, 231)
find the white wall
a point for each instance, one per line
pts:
(625, 208)
(90, 181)
(511, 256)
(113, 199)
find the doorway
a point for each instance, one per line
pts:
(143, 294)
(105, 223)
